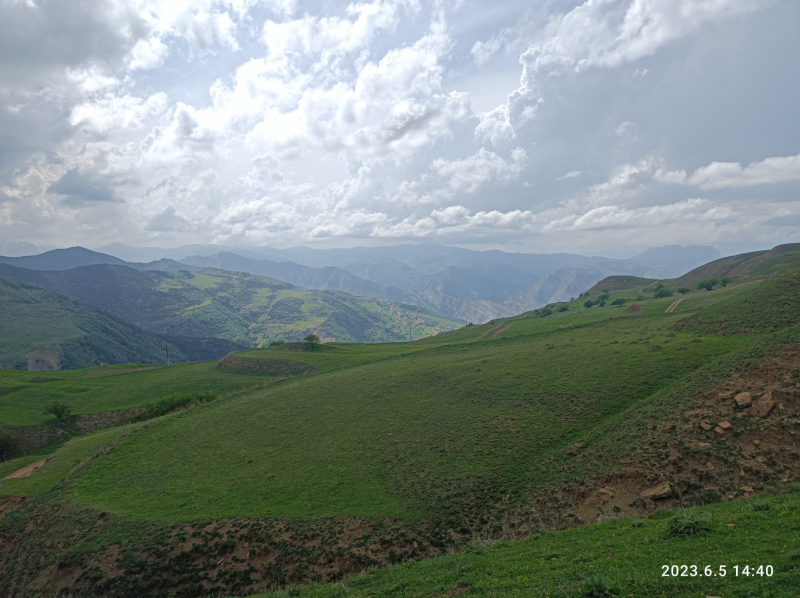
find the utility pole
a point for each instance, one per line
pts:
(410, 338)
(166, 348)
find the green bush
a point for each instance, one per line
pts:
(588, 303)
(8, 442)
(60, 409)
(659, 286)
(686, 524)
(661, 293)
(708, 497)
(563, 308)
(684, 290)
(618, 301)
(595, 587)
(725, 281)
(170, 403)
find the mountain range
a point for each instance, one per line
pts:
(475, 286)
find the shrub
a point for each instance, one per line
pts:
(760, 506)
(545, 312)
(595, 587)
(708, 283)
(659, 286)
(603, 297)
(686, 524)
(8, 442)
(708, 497)
(661, 293)
(170, 403)
(563, 308)
(725, 281)
(587, 304)
(684, 290)
(635, 308)
(618, 301)
(60, 409)
(277, 343)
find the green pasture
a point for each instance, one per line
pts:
(404, 436)
(23, 395)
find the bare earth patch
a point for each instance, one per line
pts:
(26, 471)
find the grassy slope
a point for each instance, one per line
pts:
(66, 332)
(626, 554)
(446, 428)
(25, 394)
(461, 425)
(234, 306)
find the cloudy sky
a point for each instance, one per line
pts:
(600, 127)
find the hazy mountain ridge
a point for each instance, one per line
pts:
(239, 307)
(474, 285)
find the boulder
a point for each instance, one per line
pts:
(743, 399)
(706, 426)
(724, 396)
(748, 489)
(725, 425)
(607, 491)
(763, 406)
(662, 491)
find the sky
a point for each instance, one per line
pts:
(602, 127)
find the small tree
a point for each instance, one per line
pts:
(60, 409)
(684, 290)
(661, 293)
(618, 301)
(708, 283)
(659, 286)
(8, 442)
(311, 339)
(725, 281)
(587, 304)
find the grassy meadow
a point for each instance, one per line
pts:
(23, 395)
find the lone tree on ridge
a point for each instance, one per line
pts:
(311, 339)
(60, 409)
(708, 283)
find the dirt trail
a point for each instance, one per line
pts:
(673, 305)
(26, 471)
(121, 371)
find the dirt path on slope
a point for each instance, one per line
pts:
(673, 305)
(26, 471)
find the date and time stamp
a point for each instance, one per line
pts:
(716, 571)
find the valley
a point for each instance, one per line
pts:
(508, 446)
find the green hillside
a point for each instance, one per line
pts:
(756, 544)
(392, 452)
(22, 396)
(42, 330)
(235, 306)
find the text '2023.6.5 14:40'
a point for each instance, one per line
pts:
(716, 571)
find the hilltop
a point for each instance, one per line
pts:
(349, 456)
